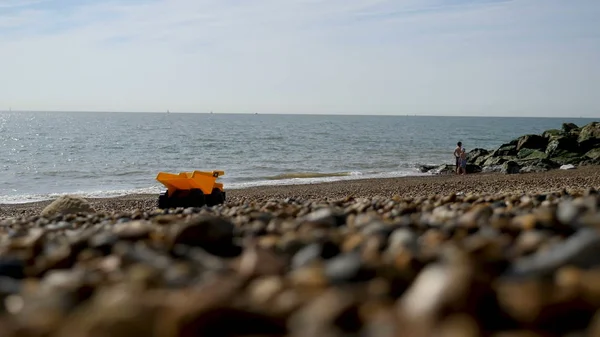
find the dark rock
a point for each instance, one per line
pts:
(444, 169)
(213, 234)
(560, 145)
(492, 168)
(313, 252)
(551, 133)
(586, 162)
(537, 165)
(568, 127)
(134, 230)
(473, 168)
(589, 137)
(480, 160)
(12, 267)
(8, 286)
(593, 154)
(426, 168)
(505, 150)
(347, 268)
(510, 167)
(495, 161)
(476, 154)
(534, 142)
(567, 158)
(325, 217)
(581, 250)
(533, 169)
(103, 242)
(231, 322)
(531, 154)
(261, 216)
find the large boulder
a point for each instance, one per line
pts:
(505, 150)
(536, 165)
(476, 155)
(551, 133)
(560, 145)
(495, 161)
(593, 154)
(566, 158)
(529, 154)
(589, 136)
(569, 127)
(480, 160)
(587, 162)
(492, 169)
(511, 167)
(535, 142)
(471, 168)
(67, 204)
(532, 169)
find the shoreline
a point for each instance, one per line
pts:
(117, 192)
(580, 178)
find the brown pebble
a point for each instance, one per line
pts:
(525, 222)
(256, 261)
(308, 276)
(263, 290)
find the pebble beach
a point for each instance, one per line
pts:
(485, 254)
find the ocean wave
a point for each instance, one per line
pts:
(305, 175)
(25, 198)
(324, 179)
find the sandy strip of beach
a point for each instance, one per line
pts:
(420, 186)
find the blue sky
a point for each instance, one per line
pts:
(432, 57)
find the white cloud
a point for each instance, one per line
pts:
(316, 56)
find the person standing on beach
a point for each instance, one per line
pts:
(463, 161)
(457, 152)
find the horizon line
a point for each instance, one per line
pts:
(298, 114)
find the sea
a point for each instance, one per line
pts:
(105, 154)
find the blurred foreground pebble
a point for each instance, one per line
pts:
(445, 265)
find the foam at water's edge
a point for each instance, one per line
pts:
(21, 199)
(308, 175)
(306, 181)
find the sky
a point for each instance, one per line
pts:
(417, 57)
